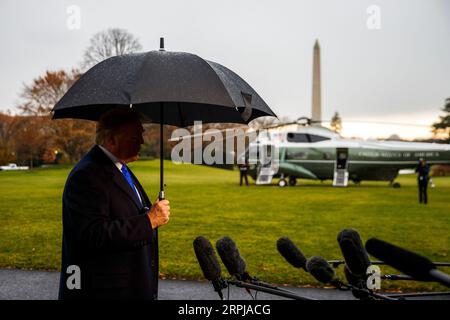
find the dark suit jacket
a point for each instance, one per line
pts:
(107, 234)
(423, 174)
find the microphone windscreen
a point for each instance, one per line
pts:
(231, 257)
(291, 253)
(354, 253)
(406, 261)
(320, 269)
(207, 258)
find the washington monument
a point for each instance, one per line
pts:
(316, 94)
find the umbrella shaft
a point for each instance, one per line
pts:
(161, 151)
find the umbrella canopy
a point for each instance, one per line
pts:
(174, 88)
(191, 88)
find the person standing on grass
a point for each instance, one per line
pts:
(109, 224)
(243, 171)
(423, 171)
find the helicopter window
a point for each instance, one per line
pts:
(297, 137)
(315, 138)
(304, 138)
(342, 156)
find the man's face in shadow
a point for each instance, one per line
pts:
(127, 142)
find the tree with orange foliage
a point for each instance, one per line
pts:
(70, 136)
(43, 93)
(8, 128)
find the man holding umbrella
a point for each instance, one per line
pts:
(109, 232)
(169, 88)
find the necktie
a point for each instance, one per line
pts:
(127, 175)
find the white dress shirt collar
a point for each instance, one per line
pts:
(112, 157)
(118, 165)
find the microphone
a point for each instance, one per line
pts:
(320, 269)
(408, 262)
(355, 255)
(232, 259)
(236, 266)
(209, 264)
(356, 261)
(291, 253)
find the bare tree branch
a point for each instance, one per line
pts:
(109, 43)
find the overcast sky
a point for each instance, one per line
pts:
(399, 72)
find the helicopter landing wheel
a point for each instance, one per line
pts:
(282, 183)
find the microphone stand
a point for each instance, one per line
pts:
(277, 292)
(270, 286)
(419, 294)
(337, 263)
(344, 287)
(254, 280)
(397, 277)
(219, 284)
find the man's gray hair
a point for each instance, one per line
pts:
(111, 121)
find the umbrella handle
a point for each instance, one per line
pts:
(161, 195)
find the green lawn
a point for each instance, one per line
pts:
(209, 202)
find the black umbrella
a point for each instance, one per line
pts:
(174, 88)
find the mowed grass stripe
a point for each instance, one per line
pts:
(208, 201)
